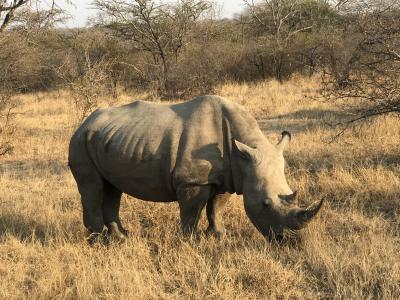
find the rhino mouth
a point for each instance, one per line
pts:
(272, 224)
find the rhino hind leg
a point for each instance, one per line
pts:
(90, 186)
(214, 210)
(192, 200)
(111, 205)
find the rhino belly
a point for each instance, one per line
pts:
(143, 180)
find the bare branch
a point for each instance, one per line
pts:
(10, 12)
(161, 30)
(14, 6)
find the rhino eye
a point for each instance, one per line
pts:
(267, 202)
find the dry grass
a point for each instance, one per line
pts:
(352, 250)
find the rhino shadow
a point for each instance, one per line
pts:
(316, 114)
(34, 167)
(24, 228)
(45, 132)
(301, 120)
(327, 161)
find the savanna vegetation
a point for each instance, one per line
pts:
(312, 67)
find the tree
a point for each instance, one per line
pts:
(278, 23)
(7, 10)
(373, 75)
(88, 67)
(161, 30)
(16, 56)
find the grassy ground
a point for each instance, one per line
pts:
(352, 250)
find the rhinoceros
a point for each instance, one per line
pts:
(197, 153)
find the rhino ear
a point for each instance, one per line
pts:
(285, 139)
(246, 152)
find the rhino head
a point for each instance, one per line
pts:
(269, 202)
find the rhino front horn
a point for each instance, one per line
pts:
(305, 215)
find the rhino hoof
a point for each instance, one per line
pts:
(218, 233)
(114, 234)
(125, 232)
(94, 237)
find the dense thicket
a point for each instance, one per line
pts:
(182, 49)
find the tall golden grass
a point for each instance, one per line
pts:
(351, 251)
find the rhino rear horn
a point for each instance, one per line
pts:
(284, 141)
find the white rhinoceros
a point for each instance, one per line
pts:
(197, 153)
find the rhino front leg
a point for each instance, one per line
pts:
(192, 200)
(214, 209)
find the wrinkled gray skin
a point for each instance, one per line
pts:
(197, 153)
